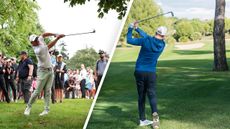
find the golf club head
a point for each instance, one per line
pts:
(172, 13)
(94, 31)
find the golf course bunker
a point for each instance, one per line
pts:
(189, 46)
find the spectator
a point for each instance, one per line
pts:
(70, 87)
(24, 75)
(60, 70)
(100, 67)
(9, 78)
(2, 79)
(83, 74)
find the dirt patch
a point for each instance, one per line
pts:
(189, 46)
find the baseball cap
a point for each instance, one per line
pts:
(59, 55)
(32, 37)
(162, 30)
(101, 52)
(23, 53)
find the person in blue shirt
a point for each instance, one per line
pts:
(145, 70)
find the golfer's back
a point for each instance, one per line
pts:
(150, 51)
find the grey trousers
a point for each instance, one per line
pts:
(25, 88)
(44, 82)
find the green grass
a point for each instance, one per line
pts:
(190, 95)
(70, 114)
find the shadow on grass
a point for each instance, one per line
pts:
(194, 52)
(188, 91)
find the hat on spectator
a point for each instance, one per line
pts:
(23, 53)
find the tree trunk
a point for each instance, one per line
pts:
(220, 61)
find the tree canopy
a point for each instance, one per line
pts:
(18, 19)
(86, 56)
(119, 6)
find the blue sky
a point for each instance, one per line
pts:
(202, 9)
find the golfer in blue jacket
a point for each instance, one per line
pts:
(145, 71)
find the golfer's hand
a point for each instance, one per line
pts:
(60, 36)
(135, 24)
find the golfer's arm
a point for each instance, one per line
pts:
(31, 68)
(133, 41)
(44, 35)
(52, 43)
(141, 33)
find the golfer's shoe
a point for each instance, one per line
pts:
(45, 112)
(156, 121)
(27, 111)
(145, 122)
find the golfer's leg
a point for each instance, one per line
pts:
(39, 88)
(47, 89)
(141, 94)
(151, 91)
(53, 92)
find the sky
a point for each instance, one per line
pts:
(202, 9)
(58, 17)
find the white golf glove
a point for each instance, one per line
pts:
(131, 25)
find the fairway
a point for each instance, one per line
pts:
(70, 114)
(190, 95)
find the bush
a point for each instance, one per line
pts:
(196, 36)
(170, 40)
(183, 39)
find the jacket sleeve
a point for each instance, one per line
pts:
(141, 33)
(133, 41)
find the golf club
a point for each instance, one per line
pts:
(94, 31)
(172, 14)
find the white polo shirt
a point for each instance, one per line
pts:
(42, 54)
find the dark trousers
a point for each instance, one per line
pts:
(10, 83)
(25, 88)
(67, 93)
(146, 83)
(53, 96)
(98, 80)
(82, 85)
(3, 87)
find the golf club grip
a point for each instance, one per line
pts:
(154, 17)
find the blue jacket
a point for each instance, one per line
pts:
(151, 49)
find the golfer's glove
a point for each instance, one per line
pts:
(131, 25)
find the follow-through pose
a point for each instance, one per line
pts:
(145, 71)
(45, 70)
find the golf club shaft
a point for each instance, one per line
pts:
(155, 16)
(80, 33)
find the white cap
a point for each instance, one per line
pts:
(32, 37)
(59, 55)
(162, 30)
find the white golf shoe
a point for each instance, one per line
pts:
(156, 121)
(145, 122)
(45, 112)
(27, 111)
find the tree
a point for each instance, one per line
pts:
(119, 6)
(183, 29)
(86, 56)
(142, 9)
(18, 19)
(220, 61)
